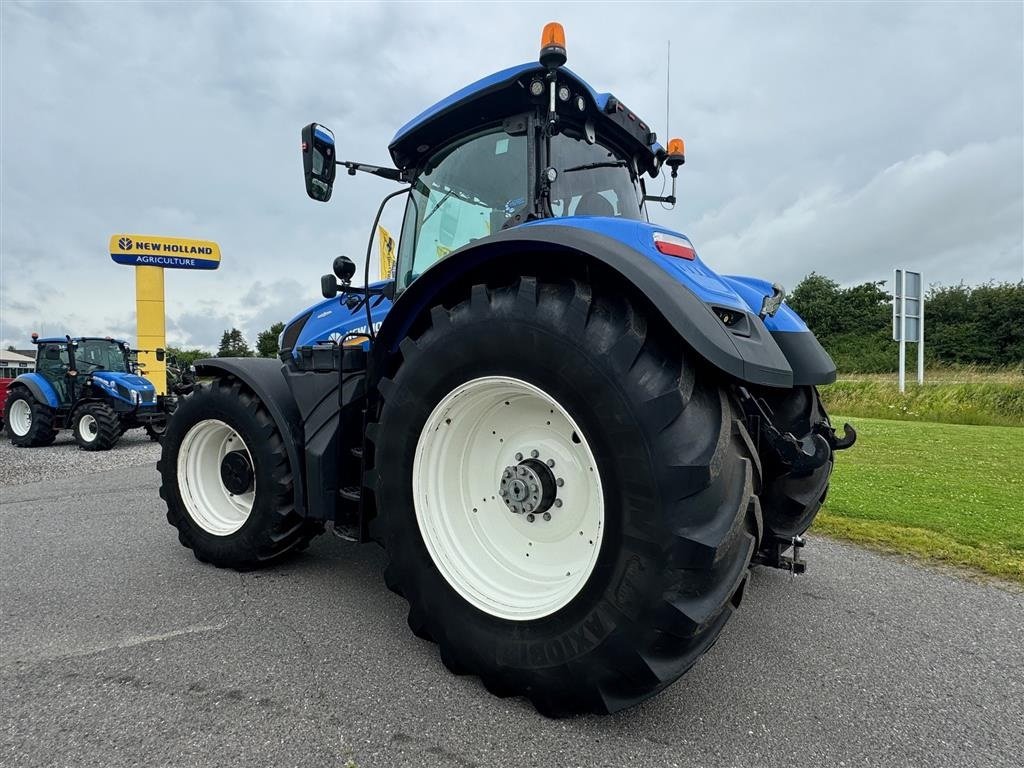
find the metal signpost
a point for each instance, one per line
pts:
(908, 319)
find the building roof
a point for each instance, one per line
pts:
(16, 357)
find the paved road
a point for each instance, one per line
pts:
(118, 648)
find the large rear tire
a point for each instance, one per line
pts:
(96, 427)
(227, 480)
(791, 500)
(660, 516)
(29, 422)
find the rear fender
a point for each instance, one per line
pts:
(752, 356)
(41, 389)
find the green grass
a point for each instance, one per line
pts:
(993, 401)
(945, 492)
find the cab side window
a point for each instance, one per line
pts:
(466, 191)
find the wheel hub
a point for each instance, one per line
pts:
(528, 487)
(236, 472)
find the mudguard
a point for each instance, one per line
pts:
(749, 352)
(264, 377)
(40, 388)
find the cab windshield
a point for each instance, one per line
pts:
(100, 354)
(592, 181)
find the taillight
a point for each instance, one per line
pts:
(671, 245)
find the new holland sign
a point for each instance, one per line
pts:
(166, 252)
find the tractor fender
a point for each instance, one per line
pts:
(266, 379)
(41, 389)
(754, 357)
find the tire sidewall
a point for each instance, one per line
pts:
(214, 403)
(591, 393)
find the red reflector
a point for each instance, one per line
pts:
(674, 246)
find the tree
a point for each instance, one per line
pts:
(266, 342)
(188, 356)
(233, 344)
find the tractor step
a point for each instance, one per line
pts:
(350, 493)
(345, 532)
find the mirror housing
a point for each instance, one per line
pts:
(318, 161)
(161, 353)
(344, 268)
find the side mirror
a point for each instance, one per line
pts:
(344, 268)
(318, 161)
(329, 286)
(161, 353)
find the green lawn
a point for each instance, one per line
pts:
(946, 492)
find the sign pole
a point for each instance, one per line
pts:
(151, 326)
(920, 338)
(903, 329)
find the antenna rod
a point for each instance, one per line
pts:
(668, 86)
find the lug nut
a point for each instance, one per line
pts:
(559, 482)
(529, 518)
(519, 457)
(558, 502)
(535, 453)
(547, 515)
(528, 507)
(551, 462)
(533, 487)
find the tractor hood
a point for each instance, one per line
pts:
(734, 292)
(122, 386)
(331, 320)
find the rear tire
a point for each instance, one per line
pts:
(29, 422)
(96, 427)
(678, 487)
(791, 500)
(220, 521)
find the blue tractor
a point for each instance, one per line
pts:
(87, 384)
(572, 437)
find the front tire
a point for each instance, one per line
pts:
(227, 480)
(96, 427)
(29, 422)
(671, 520)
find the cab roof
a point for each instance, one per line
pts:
(63, 339)
(505, 94)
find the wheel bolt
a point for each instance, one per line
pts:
(533, 487)
(529, 518)
(547, 515)
(535, 453)
(551, 462)
(529, 507)
(558, 502)
(559, 482)
(519, 457)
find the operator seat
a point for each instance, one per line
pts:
(593, 204)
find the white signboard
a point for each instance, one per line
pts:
(908, 319)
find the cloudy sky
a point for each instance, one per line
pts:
(840, 138)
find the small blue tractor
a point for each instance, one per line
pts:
(88, 384)
(572, 437)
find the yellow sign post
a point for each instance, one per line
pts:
(151, 255)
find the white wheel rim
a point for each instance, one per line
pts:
(20, 416)
(494, 558)
(87, 428)
(209, 503)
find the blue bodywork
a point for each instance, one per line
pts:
(331, 319)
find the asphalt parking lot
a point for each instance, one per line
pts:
(118, 648)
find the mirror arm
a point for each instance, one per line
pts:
(670, 199)
(385, 173)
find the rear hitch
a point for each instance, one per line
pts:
(774, 555)
(838, 443)
(799, 454)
